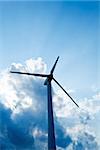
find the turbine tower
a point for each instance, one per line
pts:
(49, 78)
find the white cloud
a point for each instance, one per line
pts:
(97, 96)
(64, 107)
(36, 65)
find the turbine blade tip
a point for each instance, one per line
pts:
(58, 57)
(78, 106)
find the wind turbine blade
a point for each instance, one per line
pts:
(32, 74)
(52, 70)
(66, 92)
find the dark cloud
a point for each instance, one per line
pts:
(62, 140)
(85, 141)
(14, 134)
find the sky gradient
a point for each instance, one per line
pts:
(50, 29)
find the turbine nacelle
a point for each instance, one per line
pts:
(48, 79)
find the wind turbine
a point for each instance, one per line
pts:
(49, 78)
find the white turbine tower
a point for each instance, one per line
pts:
(49, 78)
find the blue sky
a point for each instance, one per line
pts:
(48, 29)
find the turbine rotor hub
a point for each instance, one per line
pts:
(50, 77)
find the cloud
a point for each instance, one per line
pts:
(23, 111)
(13, 135)
(77, 122)
(97, 96)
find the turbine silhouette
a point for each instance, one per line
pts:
(49, 78)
